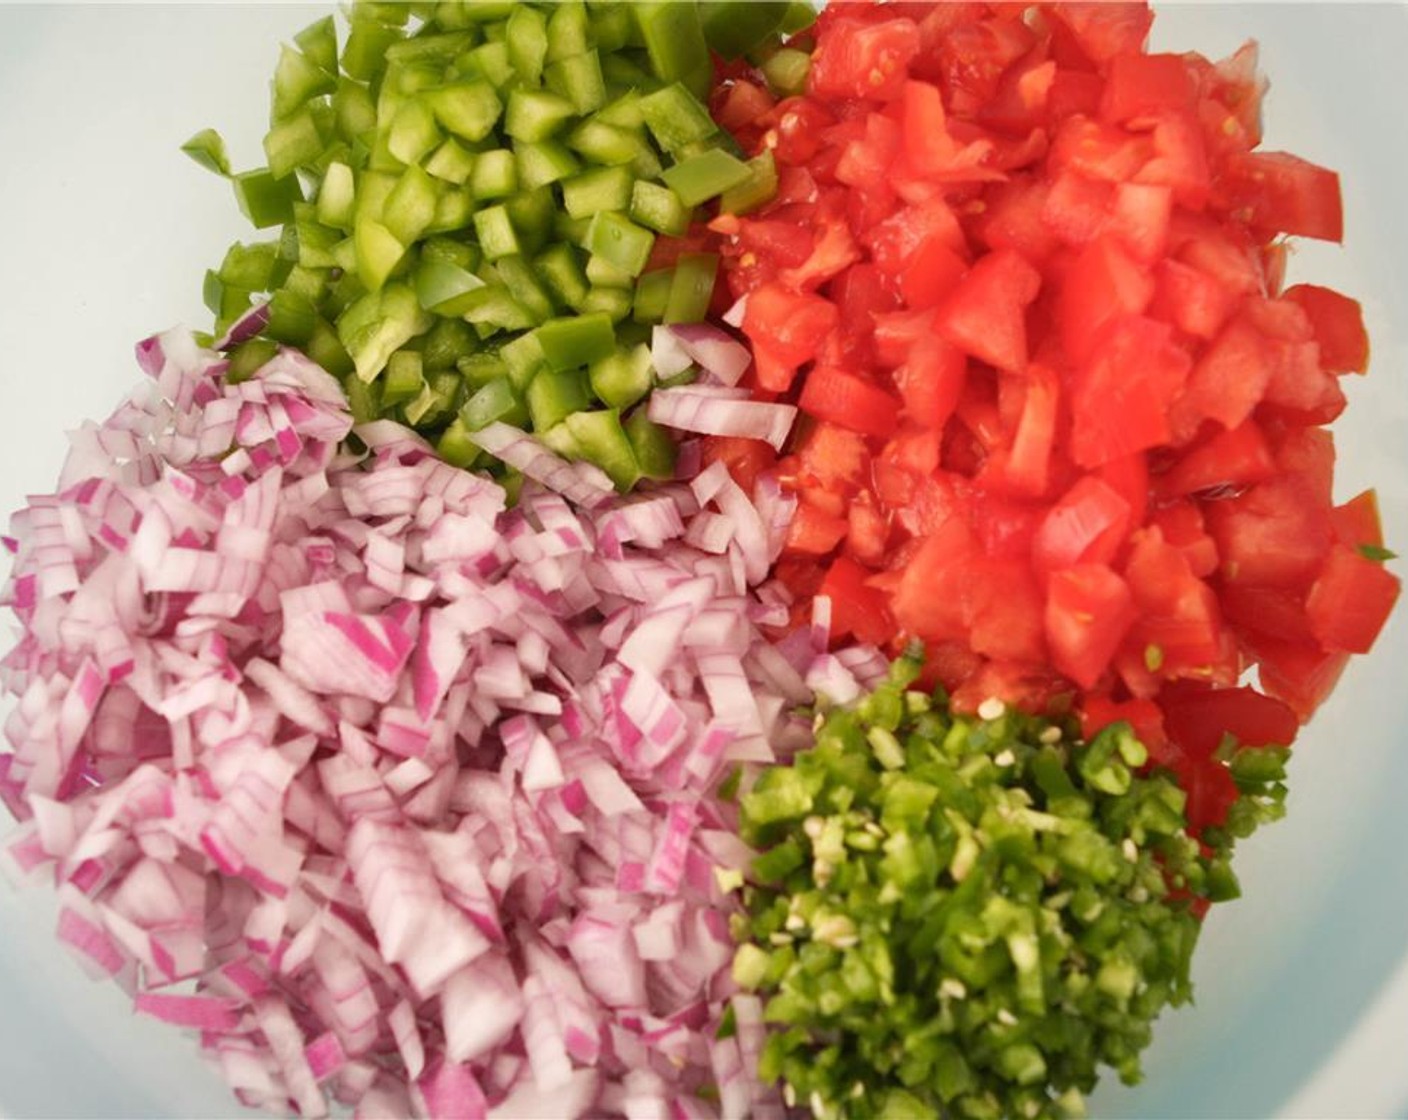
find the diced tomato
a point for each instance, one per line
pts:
(862, 293)
(1028, 687)
(1104, 29)
(1197, 718)
(869, 531)
(832, 456)
(1005, 527)
(857, 610)
(1338, 322)
(974, 56)
(1301, 675)
(1350, 601)
(1190, 299)
(850, 401)
(896, 333)
(1306, 454)
(1140, 218)
(1179, 632)
(1014, 219)
(1086, 525)
(936, 21)
(1229, 103)
(1139, 85)
(740, 105)
(1120, 401)
(1211, 792)
(1224, 255)
(1144, 717)
(931, 601)
(858, 59)
(1097, 150)
(1300, 386)
(1271, 536)
(1088, 609)
(815, 531)
(951, 664)
(801, 122)
(1282, 193)
(1020, 104)
(1224, 463)
(1179, 160)
(832, 252)
(1026, 461)
(1074, 93)
(1077, 208)
(929, 150)
(984, 316)
(894, 241)
(1006, 605)
(786, 244)
(744, 458)
(1258, 613)
(1230, 378)
(1103, 283)
(1181, 524)
(931, 381)
(1024, 281)
(1128, 476)
(790, 326)
(1357, 521)
(933, 272)
(914, 450)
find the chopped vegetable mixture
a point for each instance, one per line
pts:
(460, 685)
(470, 198)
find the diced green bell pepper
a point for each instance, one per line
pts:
(674, 39)
(676, 117)
(495, 402)
(265, 199)
(619, 241)
(654, 448)
(318, 42)
(468, 109)
(404, 378)
(574, 341)
(445, 288)
(706, 175)
(691, 288)
(606, 188)
(579, 79)
(602, 441)
(622, 377)
(553, 395)
(297, 80)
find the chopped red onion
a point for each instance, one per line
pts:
(411, 792)
(721, 356)
(244, 328)
(717, 411)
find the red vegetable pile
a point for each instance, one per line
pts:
(395, 795)
(1063, 423)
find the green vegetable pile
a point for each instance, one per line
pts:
(967, 916)
(469, 194)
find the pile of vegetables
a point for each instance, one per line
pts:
(1063, 423)
(369, 778)
(709, 570)
(970, 915)
(470, 211)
